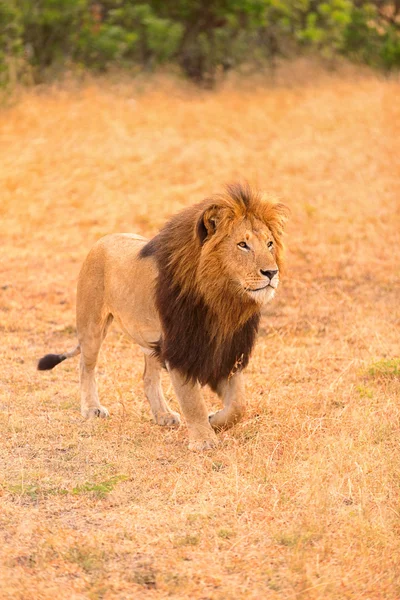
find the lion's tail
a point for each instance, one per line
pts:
(51, 360)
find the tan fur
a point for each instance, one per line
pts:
(116, 283)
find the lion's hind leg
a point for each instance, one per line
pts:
(90, 342)
(162, 413)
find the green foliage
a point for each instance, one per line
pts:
(202, 37)
(389, 52)
(11, 29)
(324, 26)
(34, 491)
(10, 41)
(387, 368)
(128, 33)
(49, 31)
(364, 392)
(370, 40)
(100, 489)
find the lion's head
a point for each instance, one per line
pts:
(241, 248)
(218, 262)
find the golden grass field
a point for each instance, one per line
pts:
(301, 499)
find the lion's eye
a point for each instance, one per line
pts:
(243, 245)
(270, 244)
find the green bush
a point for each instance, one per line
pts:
(10, 42)
(371, 40)
(128, 34)
(201, 37)
(50, 30)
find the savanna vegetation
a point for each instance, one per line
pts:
(301, 499)
(39, 39)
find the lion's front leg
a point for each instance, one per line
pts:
(201, 434)
(232, 393)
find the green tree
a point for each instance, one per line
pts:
(203, 38)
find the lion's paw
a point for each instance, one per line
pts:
(223, 419)
(168, 419)
(96, 412)
(201, 445)
(216, 422)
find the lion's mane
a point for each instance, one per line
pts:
(207, 331)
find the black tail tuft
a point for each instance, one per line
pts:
(50, 361)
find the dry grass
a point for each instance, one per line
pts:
(301, 500)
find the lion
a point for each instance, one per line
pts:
(190, 298)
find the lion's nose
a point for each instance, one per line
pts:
(269, 274)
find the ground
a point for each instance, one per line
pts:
(301, 499)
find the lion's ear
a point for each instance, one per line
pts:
(208, 222)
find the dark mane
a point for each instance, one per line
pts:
(149, 249)
(188, 344)
(206, 338)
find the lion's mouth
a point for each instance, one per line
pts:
(264, 287)
(271, 284)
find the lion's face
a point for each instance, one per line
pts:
(240, 257)
(248, 259)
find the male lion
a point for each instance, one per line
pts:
(191, 298)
